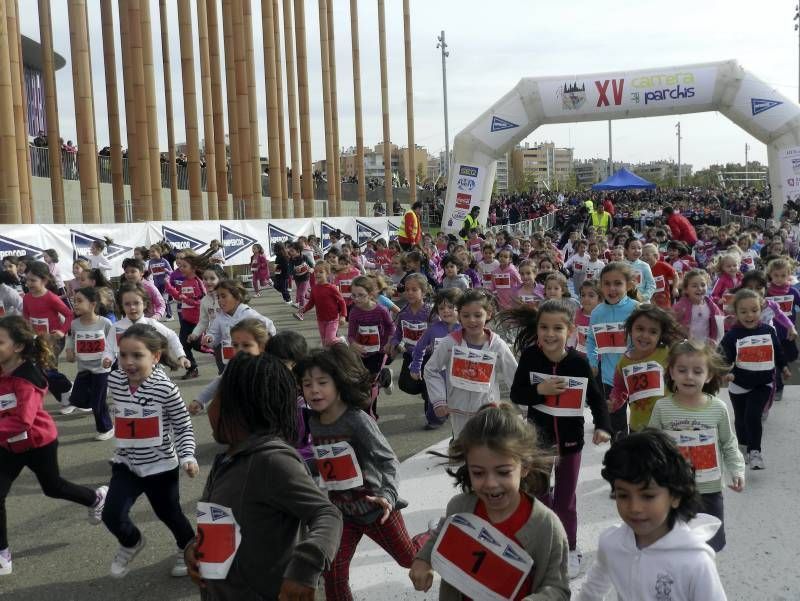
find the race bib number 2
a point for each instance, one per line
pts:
(480, 561)
(338, 466)
(218, 539)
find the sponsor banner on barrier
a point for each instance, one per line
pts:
(236, 236)
(465, 191)
(638, 90)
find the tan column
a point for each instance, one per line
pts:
(267, 23)
(51, 108)
(87, 149)
(190, 108)
(387, 145)
(412, 149)
(337, 181)
(145, 190)
(10, 210)
(154, 151)
(112, 108)
(138, 207)
(220, 156)
(291, 91)
(256, 207)
(326, 106)
(172, 167)
(208, 112)
(243, 107)
(233, 104)
(20, 117)
(276, 30)
(362, 184)
(302, 94)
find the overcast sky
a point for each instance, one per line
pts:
(492, 45)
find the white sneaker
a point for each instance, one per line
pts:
(105, 435)
(67, 409)
(120, 566)
(385, 379)
(5, 563)
(756, 461)
(179, 569)
(574, 563)
(82, 410)
(96, 510)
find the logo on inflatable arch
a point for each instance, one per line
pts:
(365, 233)
(759, 105)
(572, 96)
(81, 243)
(14, 248)
(325, 230)
(180, 241)
(393, 230)
(277, 234)
(463, 201)
(233, 242)
(499, 124)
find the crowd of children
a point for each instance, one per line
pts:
(626, 323)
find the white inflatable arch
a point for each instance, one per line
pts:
(723, 86)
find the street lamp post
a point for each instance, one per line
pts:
(680, 171)
(746, 178)
(443, 45)
(797, 29)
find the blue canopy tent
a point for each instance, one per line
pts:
(624, 180)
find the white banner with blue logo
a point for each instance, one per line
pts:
(236, 236)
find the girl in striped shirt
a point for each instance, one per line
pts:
(154, 439)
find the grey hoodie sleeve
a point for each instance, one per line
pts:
(377, 459)
(300, 497)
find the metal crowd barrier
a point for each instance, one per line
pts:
(527, 227)
(728, 217)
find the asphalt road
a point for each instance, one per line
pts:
(58, 556)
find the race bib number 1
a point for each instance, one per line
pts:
(480, 561)
(218, 539)
(137, 426)
(472, 369)
(568, 403)
(338, 466)
(610, 338)
(643, 380)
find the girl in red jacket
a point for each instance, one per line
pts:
(50, 318)
(28, 435)
(330, 305)
(189, 295)
(259, 267)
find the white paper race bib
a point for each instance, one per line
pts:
(610, 338)
(593, 273)
(478, 560)
(727, 302)
(471, 369)
(785, 302)
(582, 333)
(227, 352)
(502, 281)
(412, 332)
(643, 380)
(8, 401)
(157, 269)
(527, 299)
(568, 403)
(344, 288)
(699, 448)
(187, 291)
(338, 466)
(137, 426)
(218, 539)
(755, 353)
(661, 283)
(487, 279)
(90, 346)
(637, 277)
(370, 338)
(579, 267)
(40, 325)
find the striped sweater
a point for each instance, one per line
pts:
(160, 393)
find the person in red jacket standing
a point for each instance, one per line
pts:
(28, 435)
(410, 232)
(680, 227)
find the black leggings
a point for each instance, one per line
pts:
(747, 410)
(186, 329)
(619, 418)
(43, 462)
(162, 492)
